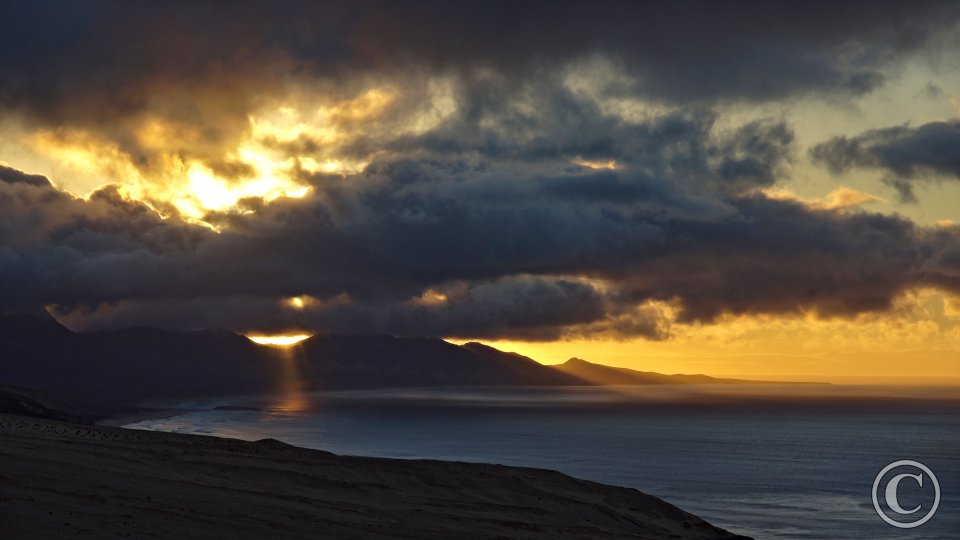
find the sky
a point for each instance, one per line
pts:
(761, 189)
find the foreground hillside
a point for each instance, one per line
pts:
(65, 480)
(25, 402)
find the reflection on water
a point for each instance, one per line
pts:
(773, 395)
(290, 397)
(771, 462)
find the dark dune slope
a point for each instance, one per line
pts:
(71, 481)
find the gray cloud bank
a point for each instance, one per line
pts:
(906, 154)
(504, 250)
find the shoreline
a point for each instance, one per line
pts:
(127, 418)
(199, 487)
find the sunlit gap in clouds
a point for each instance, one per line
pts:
(279, 340)
(169, 177)
(170, 163)
(232, 162)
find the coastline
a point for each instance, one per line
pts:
(74, 479)
(128, 418)
(660, 441)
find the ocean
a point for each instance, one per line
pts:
(771, 462)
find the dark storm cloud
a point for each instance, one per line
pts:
(378, 255)
(71, 62)
(679, 50)
(907, 154)
(549, 133)
(498, 221)
(755, 255)
(516, 307)
(678, 144)
(781, 257)
(201, 67)
(13, 176)
(198, 70)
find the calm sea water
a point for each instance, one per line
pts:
(800, 465)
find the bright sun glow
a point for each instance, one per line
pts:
(205, 191)
(609, 165)
(190, 185)
(279, 341)
(173, 165)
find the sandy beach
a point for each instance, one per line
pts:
(62, 480)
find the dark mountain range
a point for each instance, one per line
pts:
(607, 375)
(136, 363)
(139, 364)
(145, 363)
(361, 361)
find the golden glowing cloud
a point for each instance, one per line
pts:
(842, 197)
(171, 164)
(206, 191)
(266, 162)
(609, 165)
(189, 184)
(300, 302)
(86, 155)
(431, 297)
